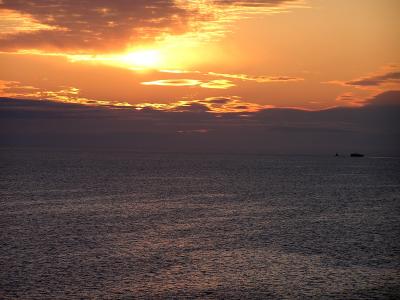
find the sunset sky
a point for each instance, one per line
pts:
(220, 56)
(307, 54)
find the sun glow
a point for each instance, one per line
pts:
(143, 58)
(133, 59)
(172, 53)
(164, 57)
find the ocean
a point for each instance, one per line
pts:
(94, 224)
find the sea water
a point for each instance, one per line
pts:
(123, 225)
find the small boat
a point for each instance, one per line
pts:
(356, 155)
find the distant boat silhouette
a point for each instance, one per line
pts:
(356, 155)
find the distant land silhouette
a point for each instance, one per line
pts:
(373, 128)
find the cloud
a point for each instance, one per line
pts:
(389, 77)
(91, 24)
(68, 94)
(213, 84)
(218, 105)
(180, 72)
(65, 94)
(231, 104)
(350, 99)
(87, 26)
(259, 79)
(218, 100)
(12, 22)
(218, 84)
(174, 82)
(16, 89)
(190, 106)
(376, 80)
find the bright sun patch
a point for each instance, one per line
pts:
(142, 58)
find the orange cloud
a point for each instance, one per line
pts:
(388, 78)
(376, 80)
(385, 80)
(174, 82)
(386, 98)
(213, 84)
(260, 79)
(91, 25)
(218, 84)
(15, 89)
(232, 104)
(13, 22)
(113, 26)
(349, 99)
(229, 104)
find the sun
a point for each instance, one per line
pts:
(143, 58)
(177, 54)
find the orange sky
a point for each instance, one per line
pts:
(309, 54)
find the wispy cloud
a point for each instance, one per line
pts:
(14, 22)
(376, 80)
(350, 99)
(218, 84)
(369, 86)
(259, 79)
(227, 104)
(387, 78)
(231, 104)
(174, 82)
(213, 84)
(65, 94)
(73, 95)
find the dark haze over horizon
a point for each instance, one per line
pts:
(373, 129)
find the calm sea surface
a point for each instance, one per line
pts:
(123, 225)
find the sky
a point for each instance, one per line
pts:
(226, 63)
